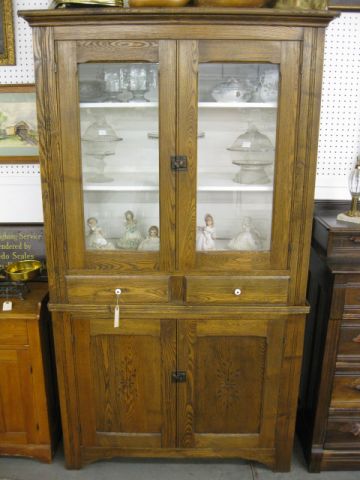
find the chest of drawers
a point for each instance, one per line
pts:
(329, 414)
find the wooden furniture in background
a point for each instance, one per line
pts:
(329, 411)
(206, 360)
(29, 413)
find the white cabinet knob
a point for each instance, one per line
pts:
(237, 291)
(117, 291)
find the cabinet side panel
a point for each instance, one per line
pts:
(67, 388)
(305, 171)
(289, 387)
(51, 173)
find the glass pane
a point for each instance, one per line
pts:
(236, 153)
(120, 155)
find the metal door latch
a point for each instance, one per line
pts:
(178, 377)
(179, 163)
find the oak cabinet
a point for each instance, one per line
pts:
(178, 164)
(29, 416)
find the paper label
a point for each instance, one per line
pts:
(7, 306)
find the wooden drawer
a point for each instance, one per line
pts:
(237, 290)
(13, 331)
(349, 343)
(346, 392)
(101, 290)
(352, 296)
(343, 432)
(346, 244)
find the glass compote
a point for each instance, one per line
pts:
(100, 141)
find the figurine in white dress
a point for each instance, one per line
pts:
(132, 236)
(206, 235)
(152, 241)
(95, 238)
(248, 238)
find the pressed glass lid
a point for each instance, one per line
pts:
(252, 141)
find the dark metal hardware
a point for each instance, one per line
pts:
(178, 377)
(179, 163)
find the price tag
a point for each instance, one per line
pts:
(7, 306)
(117, 317)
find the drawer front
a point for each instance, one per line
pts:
(346, 392)
(343, 433)
(13, 331)
(349, 343)
(237, 290)
(352, 296)
(346, 244)
(101, 290)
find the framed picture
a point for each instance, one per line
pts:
(19, 142)
(344, 5)
(21, 241)
(7, 41)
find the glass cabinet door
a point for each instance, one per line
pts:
(119, 118)
(115, 182)
(243, 150)
(237, 113)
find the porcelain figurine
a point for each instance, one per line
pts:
(132, 236)
(95, 238)
(206, 235)
(248, 239)
(152, 241)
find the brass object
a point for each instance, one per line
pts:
(23, 270)
(7, 39)
(157, 3)
(86, 3)
(354, 187)
(231, 3)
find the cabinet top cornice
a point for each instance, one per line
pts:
(198, 15)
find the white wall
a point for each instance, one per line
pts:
(339, 142)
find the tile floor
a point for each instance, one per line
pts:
(25, 469)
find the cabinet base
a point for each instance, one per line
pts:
(92, 454)
(44, 453)
(322, 460)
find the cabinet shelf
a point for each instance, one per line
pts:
(132, 182)
(237, 105)
(155, 104)
(118, 104)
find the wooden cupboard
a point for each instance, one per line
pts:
(159, 126)
(29, 413)
(329, 408)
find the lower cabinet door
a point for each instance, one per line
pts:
(17, 418)
(126, 397)
(230, 395)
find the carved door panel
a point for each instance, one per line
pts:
(125, 392)
(232, 370)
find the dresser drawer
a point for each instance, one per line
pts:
(352, 296)
(346, 392)
(343, 433)
(13, 331)
(101, 290)
(349, 343)
(237, 290)
(346, 244)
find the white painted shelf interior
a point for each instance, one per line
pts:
(339, 140)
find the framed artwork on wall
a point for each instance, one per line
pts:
(19, 141)
(7, 40)
(344, 5)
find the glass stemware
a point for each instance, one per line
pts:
(138, 83)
